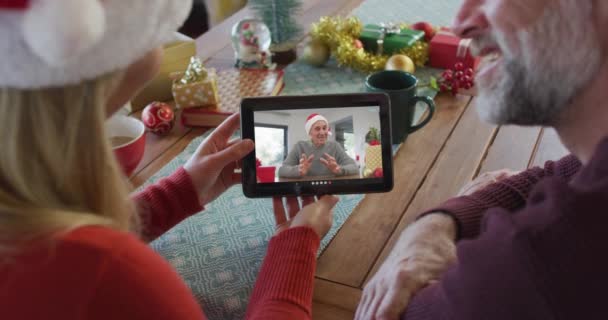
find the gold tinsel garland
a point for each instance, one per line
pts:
(340, 34)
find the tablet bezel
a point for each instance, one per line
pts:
(316, 103)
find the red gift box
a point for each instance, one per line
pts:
(446, 49)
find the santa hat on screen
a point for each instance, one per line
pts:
(312, 119)
(48, 43)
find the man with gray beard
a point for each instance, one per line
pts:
(529, 245)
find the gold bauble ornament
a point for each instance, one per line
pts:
(368, 172)
(400, 62)
(316, 53)
(341, 34)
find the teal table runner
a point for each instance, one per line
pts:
(218, 252)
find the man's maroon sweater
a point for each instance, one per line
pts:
(532, 246)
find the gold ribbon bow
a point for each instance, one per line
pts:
(196, 72)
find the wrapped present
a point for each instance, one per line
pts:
(388, 39)
(446, 49)
(197, 87)
(373, 157)
(176, 57)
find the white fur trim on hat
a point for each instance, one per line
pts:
(59, 42)
(312, 119)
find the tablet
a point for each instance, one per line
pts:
(317, 144)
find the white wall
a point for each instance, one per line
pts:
(296, 130)
(271, 117)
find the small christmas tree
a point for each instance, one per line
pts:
(279, 16)
(373, 136)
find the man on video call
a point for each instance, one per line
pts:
(530, 245)
(318, 156)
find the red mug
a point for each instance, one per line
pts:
(128, 138)
(266, 173)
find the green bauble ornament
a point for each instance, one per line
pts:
(316, 54)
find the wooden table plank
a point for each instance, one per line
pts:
(455, 166)
(549, 148)
(512, 148)
(321, 311)
(218, 37)
(171, 152)
(336, 294)
(352, 252)
(157, 145)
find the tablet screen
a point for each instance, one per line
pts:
(331, 146)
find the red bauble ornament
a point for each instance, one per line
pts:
(158, 117)
(429, 31)
(378, 173)
(358, 44)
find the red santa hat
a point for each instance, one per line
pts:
(48, 43)
(312, 119)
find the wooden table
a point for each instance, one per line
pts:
(430, 167)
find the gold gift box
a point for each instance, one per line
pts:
(197, 94)
(373, 157)
(176, 57)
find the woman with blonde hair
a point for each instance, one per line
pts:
(70, 236)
